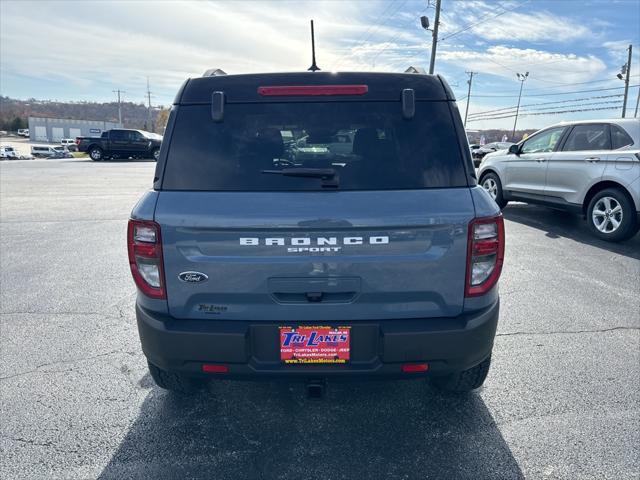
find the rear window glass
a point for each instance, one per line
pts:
(620, 138)
(588, 137)
(369, 145)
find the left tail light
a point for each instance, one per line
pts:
(485, 255)
(145, 257)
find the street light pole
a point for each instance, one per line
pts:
(522, 79)
(466, 111)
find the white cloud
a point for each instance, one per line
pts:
(547, 66)
(124, 42)
(532, 27)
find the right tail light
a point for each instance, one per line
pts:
(145, 257)
(485, 255)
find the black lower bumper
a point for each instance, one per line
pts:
(379, 348)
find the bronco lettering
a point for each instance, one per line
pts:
(320, 241)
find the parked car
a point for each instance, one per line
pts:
(8, 152)
(62, 152)
(23, 132)
(474, 148)
(121, 143)
(43, 151)
(69, 144)
(479, 154)
(371, 266)
(588, 167)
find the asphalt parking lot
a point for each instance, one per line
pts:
(562, 399)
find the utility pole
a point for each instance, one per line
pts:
(635, 114)
(434, 40)
(626, 83)
(522, 79)
(119, 106)
(466, 111)
(149, 126)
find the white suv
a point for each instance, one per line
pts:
(588, 167)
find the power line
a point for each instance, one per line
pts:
(560, 85)
(389, 12)
(555, 102)
(493, 116)
(534, 92)
(366, 35)
(557, 93)
(390, 42)
(489, 16)
(547, 113)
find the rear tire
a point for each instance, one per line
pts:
(491, 183)
(607, 208)
(96, 154)
(464, 381)
(155, 154)
(175, 382)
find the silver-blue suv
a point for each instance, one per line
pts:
(316, 226)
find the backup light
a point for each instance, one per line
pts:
(485, 255)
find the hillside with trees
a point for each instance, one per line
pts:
(14, 113)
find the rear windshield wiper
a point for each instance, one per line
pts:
(329, 176)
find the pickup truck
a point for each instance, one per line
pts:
(121, 143)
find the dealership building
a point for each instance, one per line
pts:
(55, 129)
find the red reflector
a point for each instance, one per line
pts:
(312, 90)
(415, 367)
(208, 368)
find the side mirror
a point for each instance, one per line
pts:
(515, 149)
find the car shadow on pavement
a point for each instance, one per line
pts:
(558, 223)
(114, 160)
(265, 430)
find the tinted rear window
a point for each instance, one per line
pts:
(369, 144)
(619, 137)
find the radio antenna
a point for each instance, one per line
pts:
(313, 66)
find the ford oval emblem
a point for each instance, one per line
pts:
(193, 277)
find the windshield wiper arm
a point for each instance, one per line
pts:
(329, 176)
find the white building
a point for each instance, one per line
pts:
(55, 129)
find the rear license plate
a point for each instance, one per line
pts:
(315, 344)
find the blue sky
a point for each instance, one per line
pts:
(572, 49)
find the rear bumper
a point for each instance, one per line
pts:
(378, 348)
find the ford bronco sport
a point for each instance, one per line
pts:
(316, 226)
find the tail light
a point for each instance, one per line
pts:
(77, 141)
(485, 255)
(145, 257)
